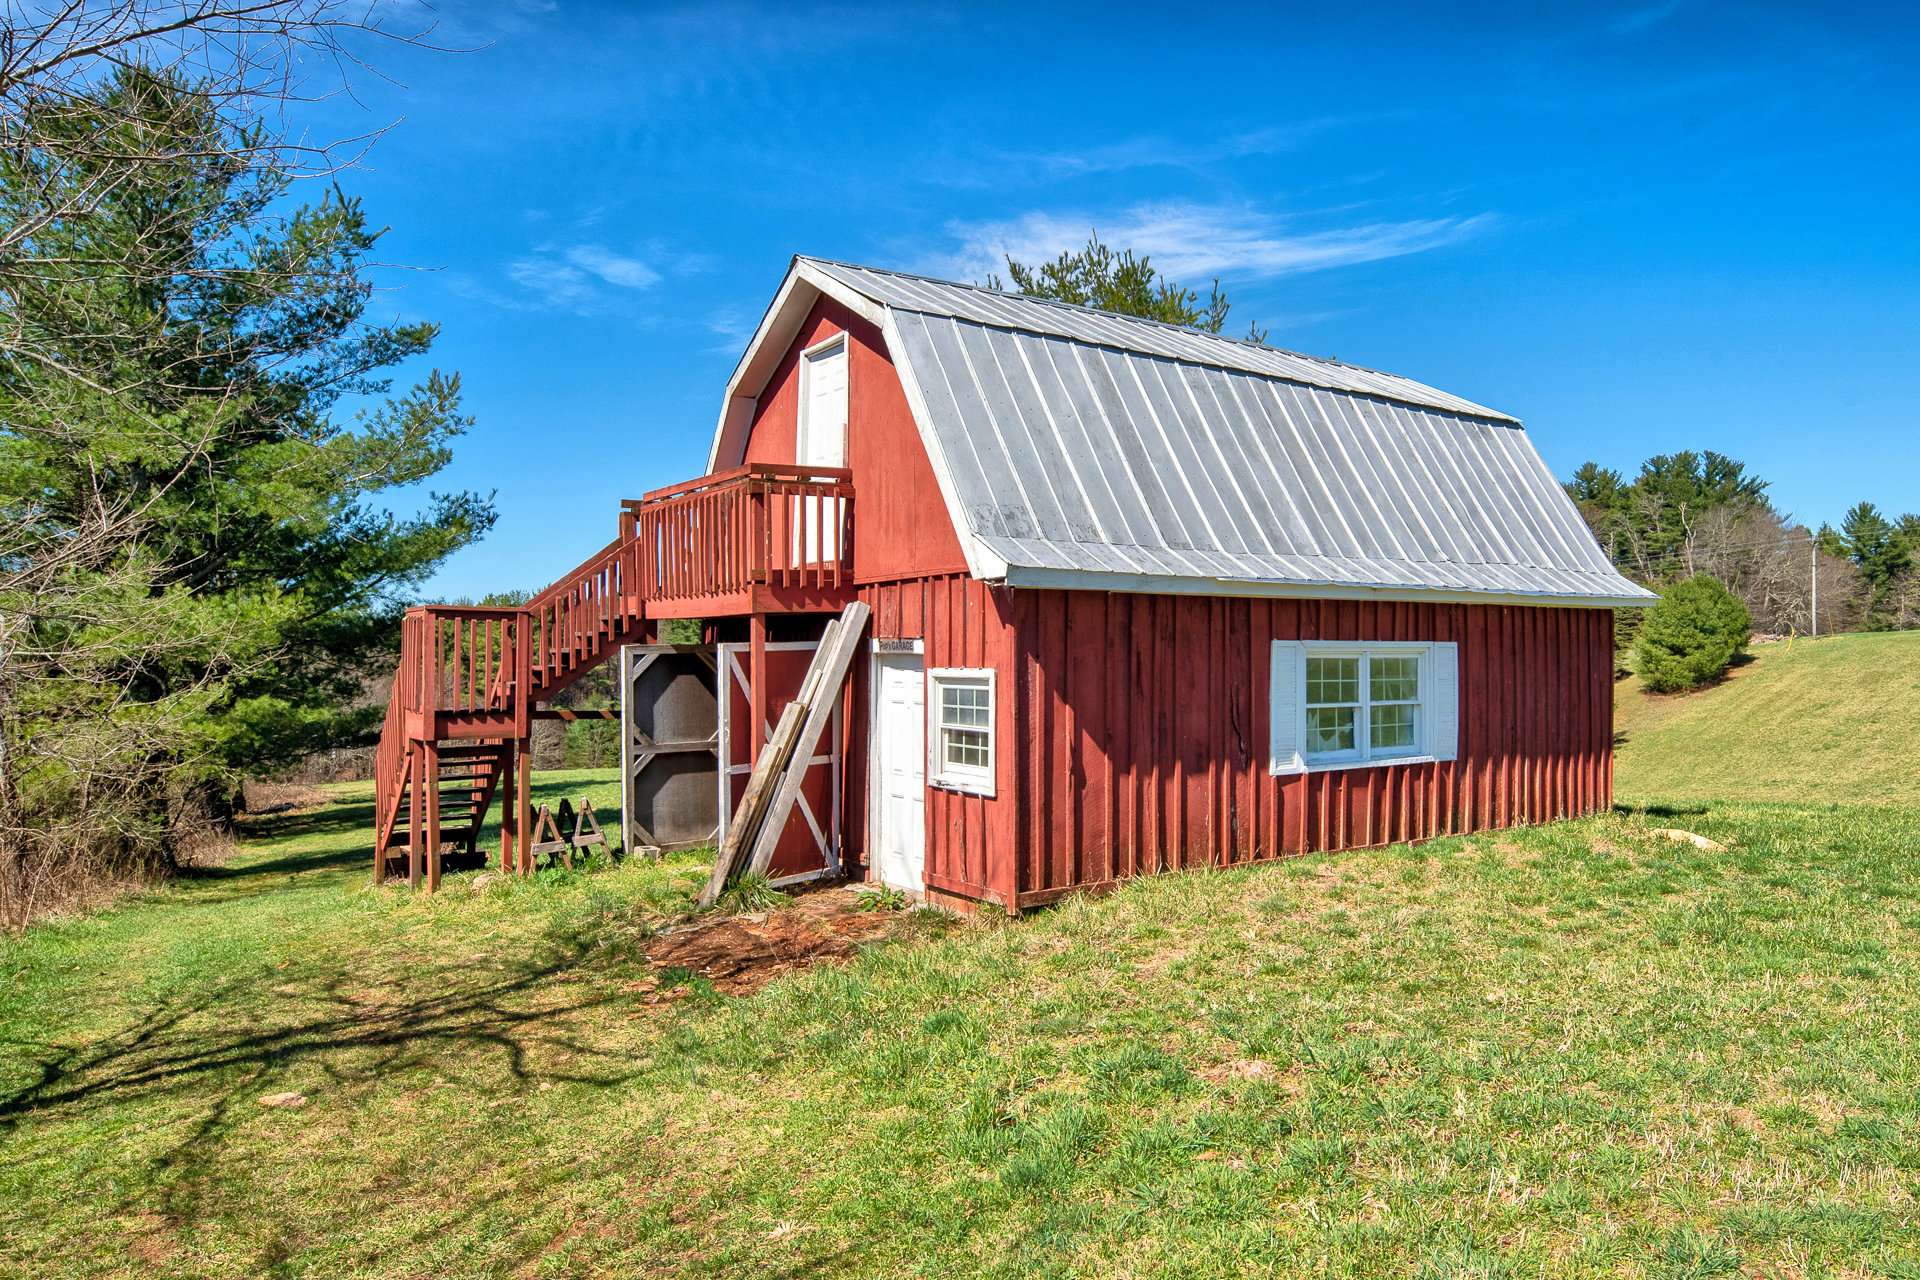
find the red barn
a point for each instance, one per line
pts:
(1144, 598)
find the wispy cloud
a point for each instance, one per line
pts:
(614, 268)
(1000, 168)
(576, 277)
(731, 326)
(1195, 242)
(1634, 21)
(588, 276)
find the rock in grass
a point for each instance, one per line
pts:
(1688, 837)
(287, 1099)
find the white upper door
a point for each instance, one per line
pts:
(900, 771)
(821, 442)
(823, 416)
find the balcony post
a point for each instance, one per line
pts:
(761, 538)
(757, 685)
(509, 809)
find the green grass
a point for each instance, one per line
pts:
(1835, 720)
(1578, 1050)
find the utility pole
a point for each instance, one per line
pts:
(1813, 559)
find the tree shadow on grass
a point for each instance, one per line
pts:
(327, 820)
(343, 820)
(360, 1031)
(196, 1067)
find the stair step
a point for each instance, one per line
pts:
(478, 750)
(448, 835)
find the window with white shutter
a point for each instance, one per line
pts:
(1340, 705)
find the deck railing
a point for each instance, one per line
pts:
(758, 525)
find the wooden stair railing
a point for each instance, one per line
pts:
(471, 676)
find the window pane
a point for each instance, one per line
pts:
(1395, 679)
(1333, 680)
(1392, 728)
(1329, 729)
(966, 748)
(964, 704)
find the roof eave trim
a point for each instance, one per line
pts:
(1172, 584)
(805, 284)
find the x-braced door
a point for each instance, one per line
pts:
(809, 846)
(670, 742)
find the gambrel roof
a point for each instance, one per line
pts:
(1084, 449)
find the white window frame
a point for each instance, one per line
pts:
(971, 779)
(1362, 756)
(807, 357)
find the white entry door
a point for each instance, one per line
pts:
(900, 771)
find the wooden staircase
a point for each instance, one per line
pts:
(460, 717)
(757, 539)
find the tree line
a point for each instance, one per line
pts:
(1691, 513)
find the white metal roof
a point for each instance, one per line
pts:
(1083, 449)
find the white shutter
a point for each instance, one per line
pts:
(1444, 701)
(1285, 715)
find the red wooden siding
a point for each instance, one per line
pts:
(963, 623)
(900, 523)
(1141, 732)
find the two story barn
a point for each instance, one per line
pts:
(1144, 598)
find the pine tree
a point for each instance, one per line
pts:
(1691, 636)
(196, 422)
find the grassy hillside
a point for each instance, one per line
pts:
(1576, 1050)
(1579, 1050)
(1835, 720)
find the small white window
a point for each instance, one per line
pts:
(1339, 705)
(960, 737)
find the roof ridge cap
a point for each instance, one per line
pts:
(1083, 309)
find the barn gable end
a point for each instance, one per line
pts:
(901, 529)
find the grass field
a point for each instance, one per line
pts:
(1834, 720)
(1581, 1050)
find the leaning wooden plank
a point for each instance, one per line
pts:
(760, 788)
(764, 780)
(831, 662)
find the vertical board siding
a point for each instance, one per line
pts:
(962, 623)
(1142, 733)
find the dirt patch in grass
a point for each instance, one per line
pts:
(264, 799)
(741, 954)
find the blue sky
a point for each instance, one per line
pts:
(1639, 227)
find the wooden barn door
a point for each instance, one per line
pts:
(810, 845)
(669, 745)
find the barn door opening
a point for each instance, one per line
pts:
(809, 845)
(669, 745)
